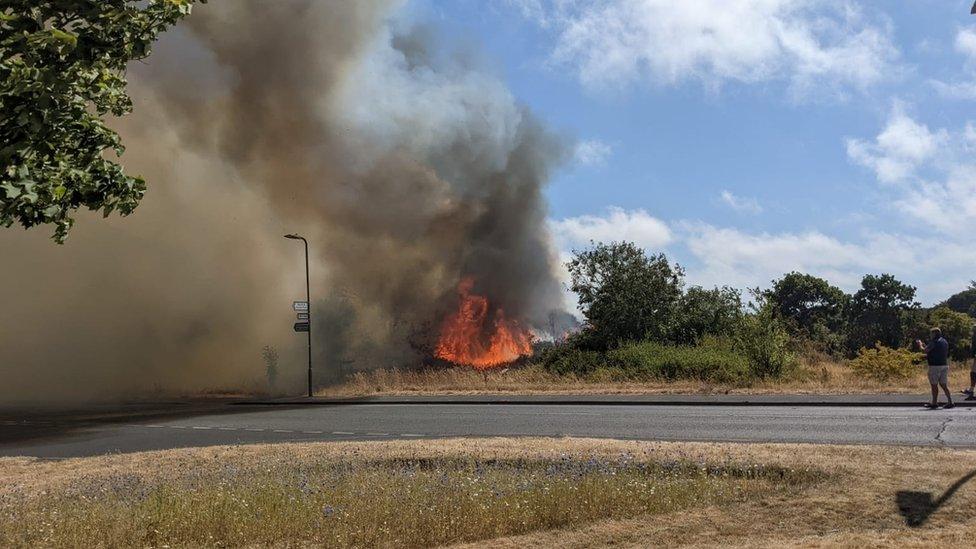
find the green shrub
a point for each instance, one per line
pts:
(884, 364)
(567, 359)
(706, 362)
(764, 341)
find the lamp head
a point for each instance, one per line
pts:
(293, 236)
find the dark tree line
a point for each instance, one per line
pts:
(627, 295)
(883, 310)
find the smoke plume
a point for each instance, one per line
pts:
(407, 167)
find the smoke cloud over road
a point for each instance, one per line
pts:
(407, 166)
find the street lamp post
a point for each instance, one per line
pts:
(308, 299)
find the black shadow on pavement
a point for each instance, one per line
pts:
(23, 425)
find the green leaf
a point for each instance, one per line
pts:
(11, 191)
(64, 37)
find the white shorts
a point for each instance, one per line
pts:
(939, 375)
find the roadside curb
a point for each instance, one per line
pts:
(836, 401)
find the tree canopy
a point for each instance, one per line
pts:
(810, 307)
(62, 70)
(703, 312)
(956, 328)
(624, 294)
(964, 301)
(880, 311)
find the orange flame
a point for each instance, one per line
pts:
(470, 337)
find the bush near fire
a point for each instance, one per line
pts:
(642, 322)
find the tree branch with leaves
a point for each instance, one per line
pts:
(62, 70)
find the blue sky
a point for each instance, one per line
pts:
(748, 138)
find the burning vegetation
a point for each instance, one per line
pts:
(477, 336)
(403, 163)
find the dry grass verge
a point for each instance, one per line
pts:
(415, 500)
(817, 378)
(870, 497)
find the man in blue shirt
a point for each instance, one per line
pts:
(937, 355)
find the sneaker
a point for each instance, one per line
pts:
(967, 392)
(931, 406)
(970, 397)
(949, 406)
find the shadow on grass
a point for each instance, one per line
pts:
(917, 507)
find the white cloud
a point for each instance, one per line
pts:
(961, 89)
(534, 10)
(592, 152)
(955, 90)
(899, 149)
(615, 225)
(812, 44)
(934, 172)
(966, 42)
(740, 204)
(730, 256)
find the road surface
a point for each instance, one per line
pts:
(69, 436)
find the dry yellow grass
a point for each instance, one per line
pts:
(365, 499)
(816, 378)
(858, 505)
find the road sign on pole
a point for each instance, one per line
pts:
(302, 316)
(302, 307)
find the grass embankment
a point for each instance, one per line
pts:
(819, 377)
(406, 497)
(496, 492)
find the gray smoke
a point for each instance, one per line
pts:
(406, 166)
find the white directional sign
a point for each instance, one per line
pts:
(302, 316)
(300, 306)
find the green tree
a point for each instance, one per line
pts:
(964, 301)
(956, 329)
(62, 70)
(880, 312)
(704, 312)
(811, 308)
(624, 294)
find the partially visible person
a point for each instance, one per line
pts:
(972, 369)
(937, 356)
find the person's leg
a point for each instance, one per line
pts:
(945, 389)
(944, 383)
(972, 379)
(935, 395)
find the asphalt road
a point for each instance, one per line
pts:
(67, 436)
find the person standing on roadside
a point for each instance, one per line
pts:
(972, 369)
(937, 356)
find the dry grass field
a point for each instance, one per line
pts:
(494, 492)
(816, 378)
